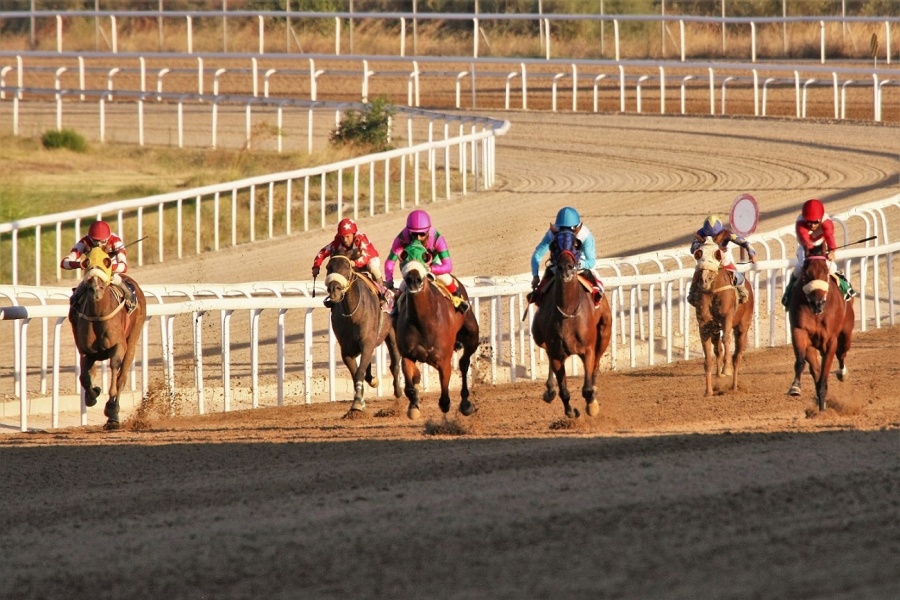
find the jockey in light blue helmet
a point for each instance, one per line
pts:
(566, 218)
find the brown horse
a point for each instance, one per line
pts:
(721, 320)
(821, 326)
(429, 330)
(103, 330)
(569, 322)
(360, 326)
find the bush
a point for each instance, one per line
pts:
(368, 129)
(64, 138)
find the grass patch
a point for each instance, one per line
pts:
(64, 138)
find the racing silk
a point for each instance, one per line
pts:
(809, 239)
(729, 238)
(587, 256)
(360, 242)
(434, 242)
(114, 247)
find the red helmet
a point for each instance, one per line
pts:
(99, 231)
(813, 210)
(418, 221)
(347, 227)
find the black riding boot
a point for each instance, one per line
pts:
(789, 288)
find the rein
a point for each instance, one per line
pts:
(105, 317)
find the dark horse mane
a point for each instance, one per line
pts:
(103, 330)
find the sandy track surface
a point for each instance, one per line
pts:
(666, 494)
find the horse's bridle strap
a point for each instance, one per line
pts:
(104, 317)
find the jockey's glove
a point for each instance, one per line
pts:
(315, 271)
(535, 281)
(389, 284)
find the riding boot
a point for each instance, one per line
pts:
(786, 297)
(459, 303)
(328, 302)
(743, 296)
(128, 296)
(844, 284)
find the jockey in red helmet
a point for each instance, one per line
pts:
(715, 229)
(566, 218)
(349, 241)
(419, 228)
(100, 235)
(815, 229)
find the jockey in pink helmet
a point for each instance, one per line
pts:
(349, 241)
(100, 235)
(815, 230)
(419, 228)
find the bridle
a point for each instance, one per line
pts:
(344, 284)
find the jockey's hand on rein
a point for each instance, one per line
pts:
(315, 271)
(830, 255)
(535, 281)
(389, 284)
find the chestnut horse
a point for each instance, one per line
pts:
(104, 330)
(720, 319)
(360, 326)
(821, 326)
(429, 330)
(568, 322)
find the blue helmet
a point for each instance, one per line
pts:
(712, 226)
(568, 217)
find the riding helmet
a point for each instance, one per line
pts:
(813, 210)
(712, 226)
(347, 227)
(418, 221)
(99, 231)
(568, 217)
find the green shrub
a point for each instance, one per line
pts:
(64, 138)
(367, 129)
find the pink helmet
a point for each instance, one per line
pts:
(99, 231)
(418, 221)
(813, 210)
(346, 227)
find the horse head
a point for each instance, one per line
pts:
(564, 252)
(709, 260)
(414, 261)
(97, 272)
(814, 281)
(339, 276)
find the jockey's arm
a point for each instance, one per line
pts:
(589, 253)
(539, 251)
(73, 259)
(392, 258)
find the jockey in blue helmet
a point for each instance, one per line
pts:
(567, 218)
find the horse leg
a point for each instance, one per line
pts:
(394, 353)
(358, 371)
(559, 368)
(589, 361)
(740, 342)
(117, 378)
(411, 375)
(444, 370)
(822, 383)
(800, 342)
(91, 392)
(844, 340)
(550, 392)
(727, 362)
(710, 362)
(468, 337)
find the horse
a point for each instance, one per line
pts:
(430, 330)
(821, 326)
(569, 322)
(103, 330)
(720, 318)
(360, 325)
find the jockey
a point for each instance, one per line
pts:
(815, 229)
(566, 218)
(361, 252)
(418, 228)
(714, 228)
(100, 235)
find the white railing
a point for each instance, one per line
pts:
(624, 80)
(652, 325)
(460, 160)
(275, 22)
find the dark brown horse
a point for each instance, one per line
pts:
(430, 330)
(360, 326)
(568, 322)
(721, 320)
(821, 326)
(104, 330)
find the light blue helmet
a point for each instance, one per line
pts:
(568, 217)
(712, 226)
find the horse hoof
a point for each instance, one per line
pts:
(97, 391)
(90, 401)
(592, 408)
(358, 405)
(841, 374)
(549, 396)
(373, 382)
(413, 413)
(794, 391)
(467, 409)
(112, 425)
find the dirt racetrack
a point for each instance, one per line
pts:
(666, 494)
